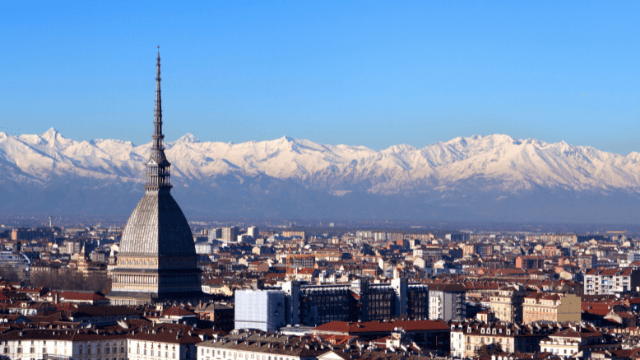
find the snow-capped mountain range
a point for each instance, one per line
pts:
(491, 168)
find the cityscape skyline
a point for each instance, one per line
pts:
(483, 247)
(360, 73)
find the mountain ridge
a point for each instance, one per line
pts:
(488, 167)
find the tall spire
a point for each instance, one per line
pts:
(157, 135)
(157, 177)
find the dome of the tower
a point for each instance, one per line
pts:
(157, 227)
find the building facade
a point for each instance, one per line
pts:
(446, 302)
(611, 281)
(260, 309)
(506, 304)
(551, 307)
(313, 305)
(467, 338)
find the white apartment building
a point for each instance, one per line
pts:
(571, 341)
(256, 346)
(159, 342)
(62, 344)
(611, 281)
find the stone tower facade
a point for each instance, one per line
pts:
(157, 258)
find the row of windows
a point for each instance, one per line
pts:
(98, 350)
(151, 353)
(32, 350)
(242, 355)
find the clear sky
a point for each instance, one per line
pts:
(373, 73)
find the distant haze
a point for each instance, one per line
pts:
(480, 178)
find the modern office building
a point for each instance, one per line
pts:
(361, 300)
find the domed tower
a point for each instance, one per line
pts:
(157, 258)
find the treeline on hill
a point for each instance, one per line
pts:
(64, 280)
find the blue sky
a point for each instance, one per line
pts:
(373, 73)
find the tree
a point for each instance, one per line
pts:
(71, 280)
(487, 350)
(10, 273)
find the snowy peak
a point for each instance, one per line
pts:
(50, 134)
(483, 163)
(187, 138)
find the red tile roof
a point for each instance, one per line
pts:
(345, 327)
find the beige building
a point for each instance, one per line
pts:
(468, 337)
(570, 342)
(551, 307)
(506, 304)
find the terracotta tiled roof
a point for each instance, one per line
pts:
(176, 311)
(345, 327)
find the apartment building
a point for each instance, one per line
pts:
(259, 347)
(61, 344)
(468, 337)
(159, 342)
(297, 233)
(506, 304)
(446, 302)
(529, 262)
(611, 281)
(551, 307)
(569, 342)
(229, 234)
(430, 253)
